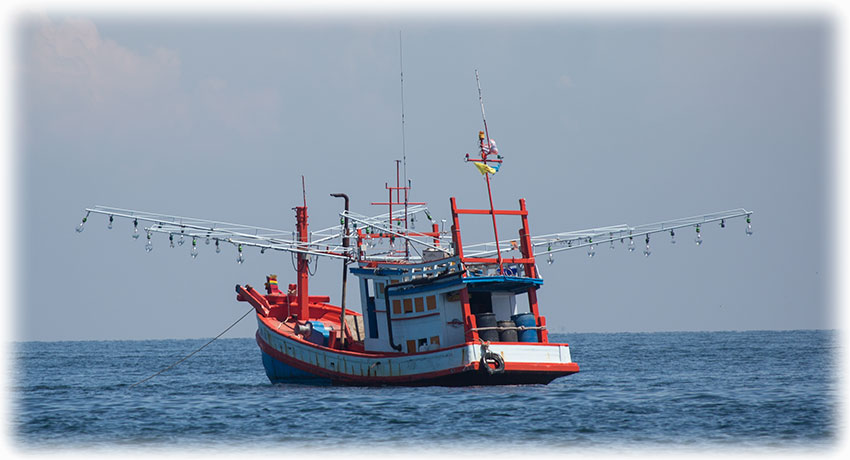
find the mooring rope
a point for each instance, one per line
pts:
(192, 353)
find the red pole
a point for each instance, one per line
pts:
(303, 270)
(492, 209)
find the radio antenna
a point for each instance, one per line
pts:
(403, 146)
(401, 68)
(481, 100)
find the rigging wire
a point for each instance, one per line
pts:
(192, 353)
(315, 266)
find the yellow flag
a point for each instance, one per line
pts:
(484, 168)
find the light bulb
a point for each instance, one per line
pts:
(81, 227)
(149, 245)
(110, 223)
(749, 226)
(217, 247)
(135, 229)
(698, 239)
(672, 237)
(240, 258)
(646, 251)
(591, 251)
(631, 244)
(550, 260)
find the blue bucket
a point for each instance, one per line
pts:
(526, 320)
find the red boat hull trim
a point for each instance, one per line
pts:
(290, 359)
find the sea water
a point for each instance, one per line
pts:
(756, 390)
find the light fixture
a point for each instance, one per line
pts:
(109, 226)
(240, 258)
(749, 226)
(135, 229)
(194, 252)
(81, 227)
(217, 247)
(149, 245)
(698, 239)
(646, 251)
(171, 239)
(672, 236)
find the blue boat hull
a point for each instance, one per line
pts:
(279, 372)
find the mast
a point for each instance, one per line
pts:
(303, 292)
(398, 197)
(484, 154)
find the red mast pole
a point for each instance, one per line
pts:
(492, 209)
(303, 262)
(484, 154)
(303, 291)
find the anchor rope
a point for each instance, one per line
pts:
(521, 328)
(192, 353)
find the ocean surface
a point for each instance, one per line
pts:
(692, 391)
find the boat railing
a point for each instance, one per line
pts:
(428, 269)
(516, 270)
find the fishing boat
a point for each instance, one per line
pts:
(439, 318)
(432, 309)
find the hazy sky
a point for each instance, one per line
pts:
(602, 120)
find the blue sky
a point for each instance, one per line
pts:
(602, 120)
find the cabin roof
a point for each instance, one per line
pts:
(514, 284)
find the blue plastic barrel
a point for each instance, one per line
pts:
(526, 320)
(320, 335)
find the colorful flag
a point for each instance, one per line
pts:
(484, 168)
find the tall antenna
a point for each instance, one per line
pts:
(403, 146)
(481, 100)
(401, 68)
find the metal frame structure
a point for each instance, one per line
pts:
(328, 242)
